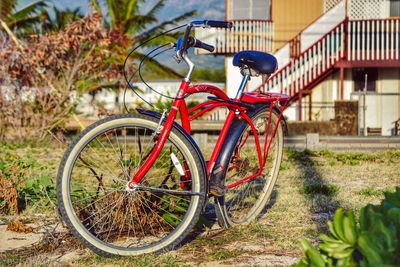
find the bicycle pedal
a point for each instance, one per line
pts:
(217, 191)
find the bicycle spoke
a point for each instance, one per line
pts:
(242, 201)
(131, 218)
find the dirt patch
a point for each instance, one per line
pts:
(11, 240)
(44, 243)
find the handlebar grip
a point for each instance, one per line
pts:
(193, 42)
(218, 23)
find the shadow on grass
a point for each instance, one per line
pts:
(270, 203)
(320, 194)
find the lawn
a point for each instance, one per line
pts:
(311, 185)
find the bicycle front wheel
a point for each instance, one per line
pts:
(242, 203)
(112, 219)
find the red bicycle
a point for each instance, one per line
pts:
(137, 183)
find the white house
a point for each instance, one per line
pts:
(327, 51)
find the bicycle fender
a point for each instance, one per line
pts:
(158, 115)
(283, 122)
(235, 131)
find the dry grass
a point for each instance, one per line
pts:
(310, 187)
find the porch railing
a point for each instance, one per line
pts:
(374, 39)
(351, 40)
(304, 69)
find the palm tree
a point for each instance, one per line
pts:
(124, 18)
(60, 20)
(23, 19)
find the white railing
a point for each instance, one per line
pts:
(244, 35)
(377, 39)
(310, 64)
(351, 40)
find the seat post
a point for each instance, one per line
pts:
(245, 79)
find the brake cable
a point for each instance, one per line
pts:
(129, 85)
(128, 81)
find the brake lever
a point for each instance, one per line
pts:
(177, 58)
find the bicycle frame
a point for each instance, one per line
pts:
(236, 108)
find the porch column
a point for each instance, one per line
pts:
(341, 83)
(300, 105)
(310, 107)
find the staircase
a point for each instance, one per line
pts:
(311, 66)
(308, 58)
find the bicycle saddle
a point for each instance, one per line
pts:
(261, 62)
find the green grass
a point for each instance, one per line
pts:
(324, 189)
(369, 191)
(310, 186)
(223, 254)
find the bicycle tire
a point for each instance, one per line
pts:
(93, 238)
(225, 212)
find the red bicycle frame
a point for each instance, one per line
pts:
(236, 109)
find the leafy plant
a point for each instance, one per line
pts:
(374, 242)
(18, 189)
(175, 208)
(39, 191)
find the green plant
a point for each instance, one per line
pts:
(374, 242)
(18, 189)
(41, 191)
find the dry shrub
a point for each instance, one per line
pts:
(38, 76)
(117, 223)
(8, 192)
(19, 227)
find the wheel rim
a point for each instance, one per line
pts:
(130, 219)
(245, 200)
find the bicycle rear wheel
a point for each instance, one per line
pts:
(113, 220)
(242, 203)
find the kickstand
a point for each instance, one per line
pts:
(222, 213)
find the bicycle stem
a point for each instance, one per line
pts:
(190, 65)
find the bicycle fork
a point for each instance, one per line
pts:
(161, 140)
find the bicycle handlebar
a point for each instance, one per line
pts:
(218, 24)
(212, 23)
(183, 44)
(193, 42)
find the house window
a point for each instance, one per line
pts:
(395, 8)
(362, 74)
(249, 9)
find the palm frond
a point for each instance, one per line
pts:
(96, 6)
(137, 23)
(6, 6)
(28, 10)
(131, 8)
(112, 11)
(23, 22)
(154, 64)
(152, 12)
(160, 27)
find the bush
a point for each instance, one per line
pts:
(374, 242)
